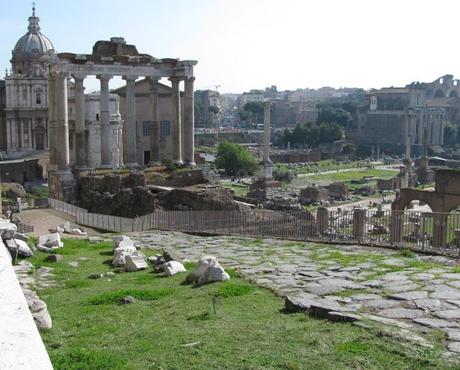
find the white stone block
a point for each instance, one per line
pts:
(173, 267)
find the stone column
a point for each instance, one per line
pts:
(129, 128)
(62, 137)
(441, 139)
(31, 143)
(266, 132)
(21, 145)
(52, 121)
(106, 153)
(189, 131)
(154, 113)
(176, 122)
(80, 142)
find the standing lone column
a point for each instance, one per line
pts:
(176, 123)
(129, 128)
(155, 121)
(52, 121)
(267, 132)
(62, 142)
(106, 154)
(80, 144)
(189, 132)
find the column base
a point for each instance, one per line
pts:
(52, 167)
(155, 163)
(131, 165)
(190, 164)
(62, 185)
(82, 168)
(178, 162)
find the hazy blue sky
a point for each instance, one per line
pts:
(243, 44)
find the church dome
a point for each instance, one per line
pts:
(30, 47)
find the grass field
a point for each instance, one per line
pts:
(344, 176)
(324, 165)
(174, 326)
(240, 189)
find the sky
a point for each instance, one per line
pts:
(252, 44)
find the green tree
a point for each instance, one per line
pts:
(234, 159)
(349, 149)
(451, 135)
(255, 110)
(213, 109)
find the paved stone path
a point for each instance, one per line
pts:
(411, 292)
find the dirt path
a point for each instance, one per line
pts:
(44, 219)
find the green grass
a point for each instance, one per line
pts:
(406, 253)
(240, 190)
(234, 289)
(353, 175)
(116, 297)
(176, 326)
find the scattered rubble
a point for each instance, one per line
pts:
(167, 264)
(209, 270)
(66, 228)
(126, 254)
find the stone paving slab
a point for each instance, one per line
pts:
(346, 282)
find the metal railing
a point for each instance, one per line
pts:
(64, 207)
(424, 231)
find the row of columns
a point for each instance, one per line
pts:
(182, 132)
(15, 131)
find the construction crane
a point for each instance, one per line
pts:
(211, 86)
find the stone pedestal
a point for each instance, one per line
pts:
(62, 186)
(266, 171)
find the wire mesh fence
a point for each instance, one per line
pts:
(417, 230)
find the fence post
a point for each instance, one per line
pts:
(397, 223)
(439, 230)
(359, 222)
(322, 216)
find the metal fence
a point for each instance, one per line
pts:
(417, 230)
(64, 207)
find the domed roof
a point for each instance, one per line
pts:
(33, 42)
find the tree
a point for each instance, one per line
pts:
(451, 135)
(312, 134)
(349, 149)
(213, 109)
(253, 110)
(234, 159)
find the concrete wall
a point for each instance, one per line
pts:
(21, 346)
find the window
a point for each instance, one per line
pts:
(38, 99)
(24, 94)
(165, 128)
(146, 128)
(97, 116)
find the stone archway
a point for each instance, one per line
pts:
(439, 94)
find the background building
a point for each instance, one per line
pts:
(426, 108)
(26, 110)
